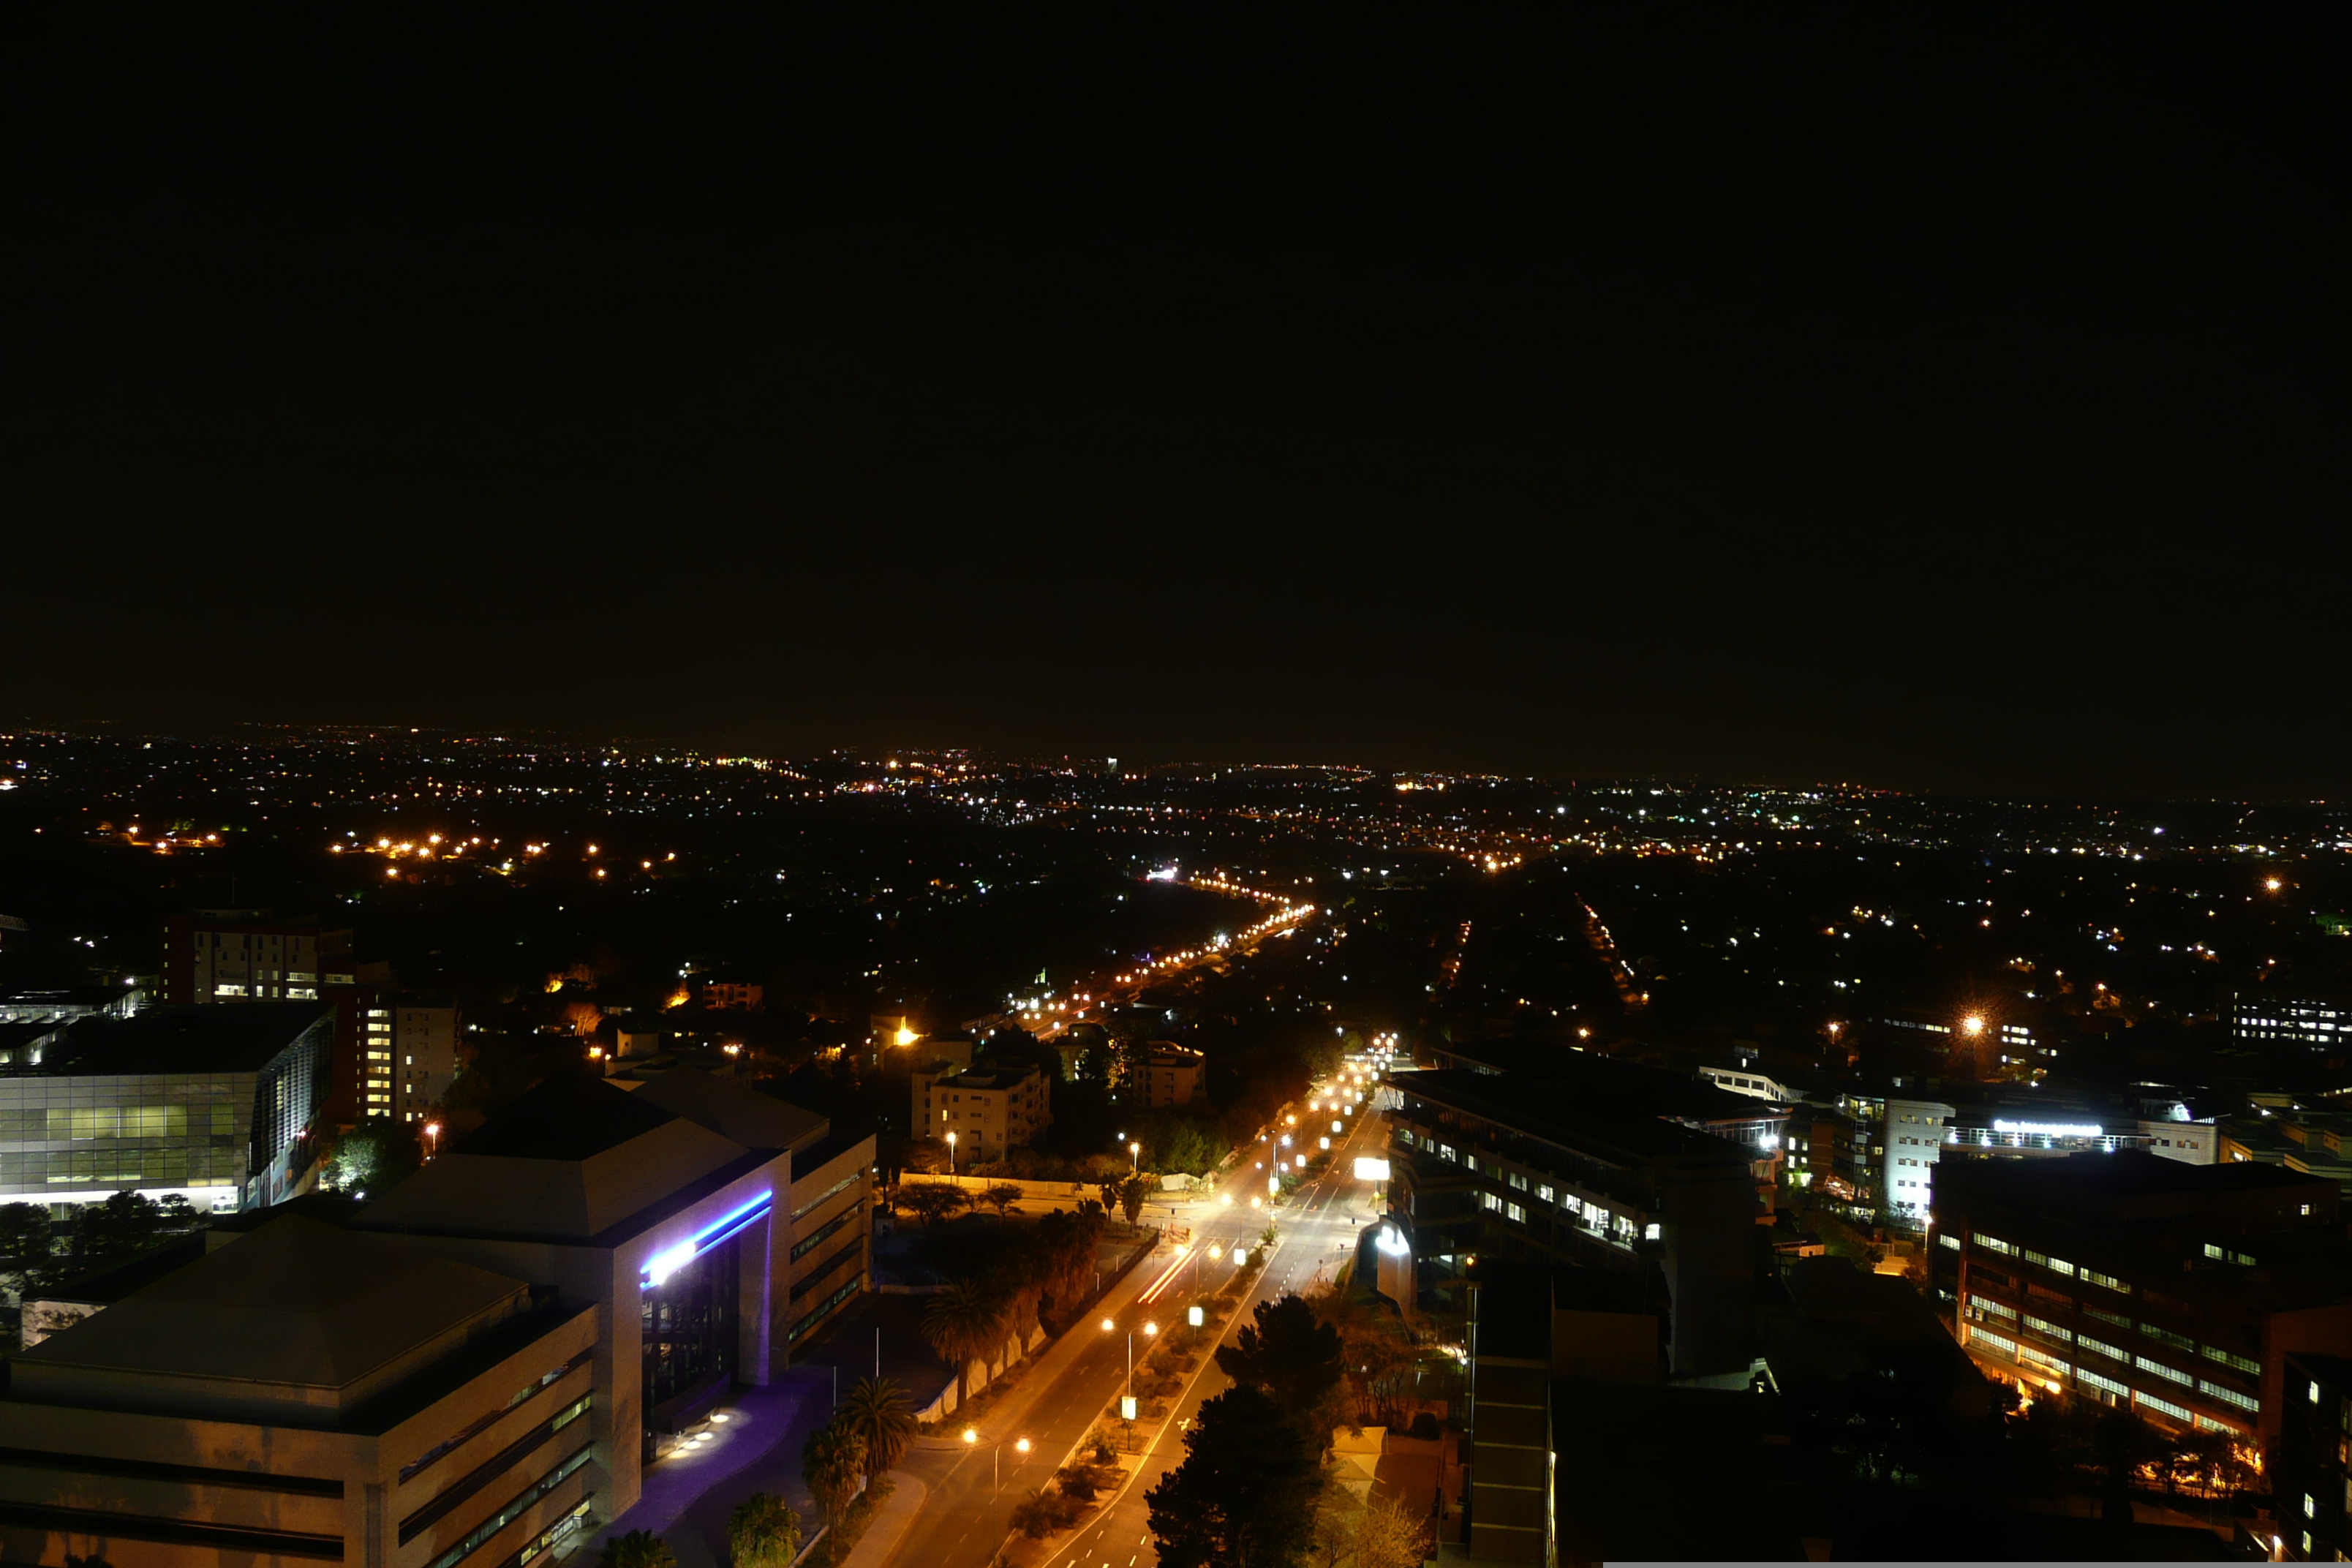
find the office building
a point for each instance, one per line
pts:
(63, 1006)
(674, 1210)
(982, 1110)
(212, 1104)
(2290, 1136)
(1889, 1157)
(2312, 1462)
(242, 955)
(2307, 1021)
(2128, 1280)
(309, 1393)
(1494, 1165)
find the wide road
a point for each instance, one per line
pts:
(1319, 1234)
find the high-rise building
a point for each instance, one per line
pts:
(243, 956)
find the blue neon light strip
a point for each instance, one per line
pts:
(708, 1236)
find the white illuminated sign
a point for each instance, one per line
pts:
(2051, 1129)
(1371, 1168)
(1390, 1241)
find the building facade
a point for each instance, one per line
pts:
(240, 955)
(308, 1394)
(213, 1105)
(1172, 1074)
(2310, 1021)
(1488, 1165)
(981, 1110)
(2127, 1280)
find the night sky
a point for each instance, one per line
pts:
(1936, 399)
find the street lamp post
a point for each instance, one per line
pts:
(951, 1156)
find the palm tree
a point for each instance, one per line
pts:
(963, 1321)
(832, 1464)
(877, 1411)
(763, 1532)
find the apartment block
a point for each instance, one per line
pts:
(982, 1110)
(242, 955)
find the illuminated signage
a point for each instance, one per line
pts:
(1390, 1241)
(1371, 1168)
(2051, 1129)
(670, 1259)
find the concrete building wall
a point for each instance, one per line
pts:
(137, 1488)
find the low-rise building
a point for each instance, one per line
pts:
(2125, 1279)
(215, 1105)
(1172, 1074)
(982, 1110)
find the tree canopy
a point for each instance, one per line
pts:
(1245, 1495)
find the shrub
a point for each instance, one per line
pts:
(1424, 1425)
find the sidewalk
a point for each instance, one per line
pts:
(890, 1522)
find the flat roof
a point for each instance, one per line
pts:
(299, 1311)
(1607, 1128)
(187, 1038)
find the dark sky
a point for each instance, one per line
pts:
(1937, 399)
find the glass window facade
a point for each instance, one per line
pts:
(688, 1324)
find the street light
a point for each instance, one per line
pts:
(1135, 1158)
(951, 1137)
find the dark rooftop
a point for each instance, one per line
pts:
(569, 1116)
(1625, 1130)
(1631, 1085)
(178, 1039)
(2128, 1179)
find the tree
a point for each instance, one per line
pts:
(928, 1156)
(833, 1463)
(964, 1320)
(1130, 1199)
(763, 1532)
(932, 1201)
(1389, 1534)
(639, 1549)
(373, 1156)
(24, 1244)
(1245, 1495)
(877, 1411)
(126, 1224)
(1001, 1197)
(1108, 1190)
(1297, 1360)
